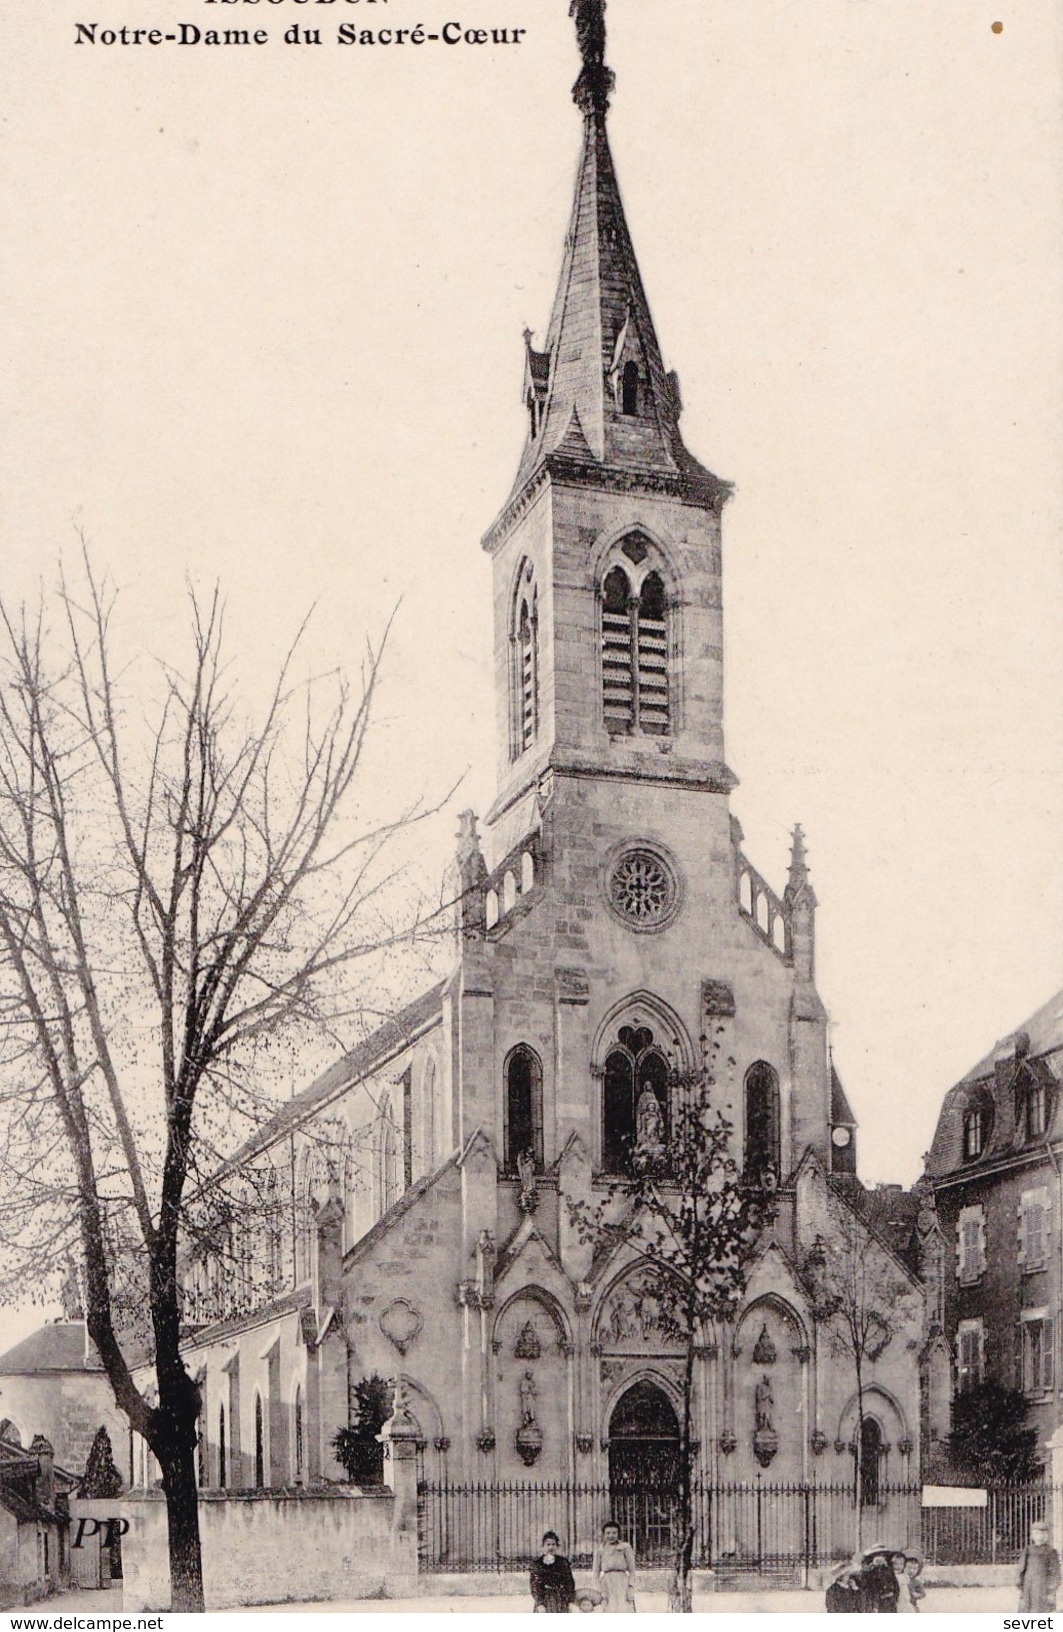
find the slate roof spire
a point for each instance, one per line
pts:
(599, 390)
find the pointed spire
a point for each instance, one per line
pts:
(601, 366)
(799, 899)
(798, 860)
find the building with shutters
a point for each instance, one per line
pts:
(409, 1214)
(995, 1168)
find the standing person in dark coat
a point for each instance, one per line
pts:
(552, 1588)
(1038, 1572)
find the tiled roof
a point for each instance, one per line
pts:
(1044, 1029)
(396, 1031)
(1036, 1048)
(58, 1346)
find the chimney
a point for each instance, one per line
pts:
(43, 1450)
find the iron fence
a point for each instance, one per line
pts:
(742, 1528)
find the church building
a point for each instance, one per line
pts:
(611, 935)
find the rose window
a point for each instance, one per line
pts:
(642, 889)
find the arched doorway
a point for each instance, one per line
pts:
(644, 1469)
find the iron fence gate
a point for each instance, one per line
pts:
(753, 1527)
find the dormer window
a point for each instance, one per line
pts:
(973, 1135)
(1036, 1110)
(635, 671)
(1032, 1106)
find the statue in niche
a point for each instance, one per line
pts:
(764, 1405)
(529, 1439)
(528, 1396)
(528, 1199)
(765, 1439)
(649, 1121)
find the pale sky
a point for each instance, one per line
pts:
(264, 324)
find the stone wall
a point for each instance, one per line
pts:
(261, 1548)
(67, 1407)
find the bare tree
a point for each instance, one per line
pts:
(863, 1299)
(688, 1216)
(180, 892)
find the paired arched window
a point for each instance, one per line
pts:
(635, 652)
(635, 1108)
(524, 639)
(762, 1121)
(524, 1108)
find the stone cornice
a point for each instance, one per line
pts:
(705, 491)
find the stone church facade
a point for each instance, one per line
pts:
(610, 934)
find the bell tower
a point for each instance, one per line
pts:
(617, 901)
(606, 555)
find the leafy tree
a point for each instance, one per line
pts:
(990, 1442)
(182, 889)
(686, 1214)
(356, 1447)
(863, 1298)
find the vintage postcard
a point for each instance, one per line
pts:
(531, 788)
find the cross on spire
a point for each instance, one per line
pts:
(592, 88)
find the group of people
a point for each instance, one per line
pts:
(553, 1585)
(879, 1582)
(882, 1581)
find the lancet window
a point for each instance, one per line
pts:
(635, 677)
(762, 1121)
(524, 1109)
(388, 1162)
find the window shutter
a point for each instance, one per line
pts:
(1020, 1378)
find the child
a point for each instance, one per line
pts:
(552, 1588)
(912, 1589)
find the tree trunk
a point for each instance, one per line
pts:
(859, 1457)
(682, 1594)
(182, 1518)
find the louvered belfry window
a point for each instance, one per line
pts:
(634, 654)
(524, 660)
(526, 643)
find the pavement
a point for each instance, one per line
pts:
(939, 1600)
(942, 1600)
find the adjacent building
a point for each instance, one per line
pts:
(995, 1168)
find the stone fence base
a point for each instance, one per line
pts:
(265, 1547)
